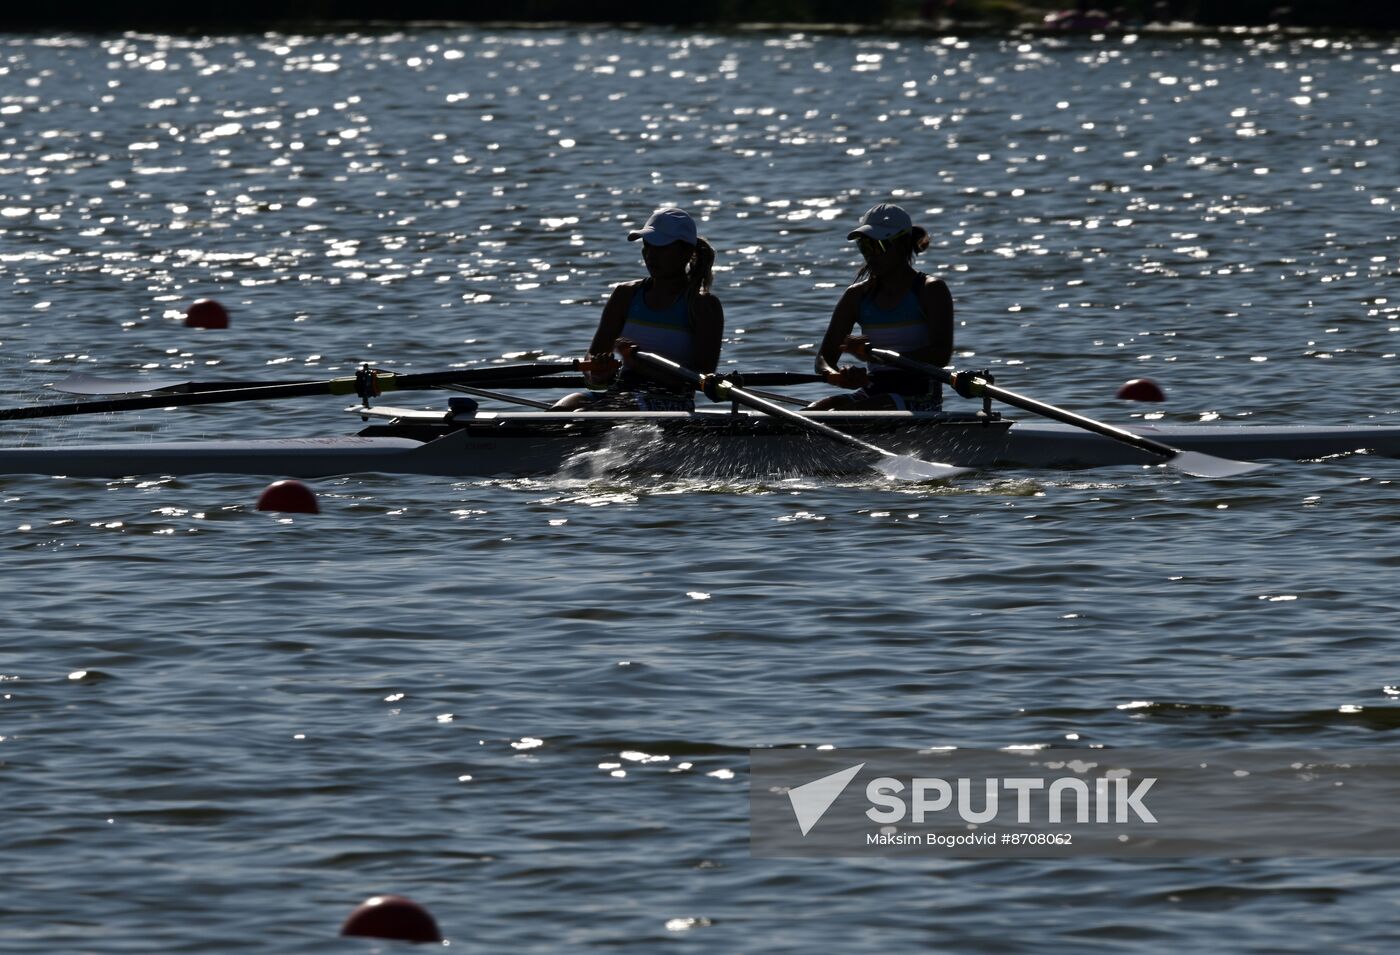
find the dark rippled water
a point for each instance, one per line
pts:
(528, 704)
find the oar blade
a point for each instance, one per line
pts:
(80, 383)
(1209, 466)
(903, 467)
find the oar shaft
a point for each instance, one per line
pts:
(524, 375)
(382, 382)
(980, 387)
(738, 394)
(541, 376)
(499, 396)
(164, 401)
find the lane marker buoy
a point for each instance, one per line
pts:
(1141, 389)
(206, 313)
(392, 916)
(288, 497)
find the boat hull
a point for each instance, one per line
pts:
(587, 444)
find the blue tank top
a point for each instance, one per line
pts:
(902, 329)
(667, 331)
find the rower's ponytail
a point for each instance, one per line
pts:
(699, 274)
(701, 270)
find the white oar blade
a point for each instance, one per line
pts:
(81, 383)
(902, 467)
(1208, 466)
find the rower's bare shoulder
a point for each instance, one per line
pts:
(935, 294)
(621, 297)
(708, 306)
(853, 294)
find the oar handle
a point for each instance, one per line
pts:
(667, 366)
(972, 386)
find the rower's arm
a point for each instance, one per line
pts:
(709, 333)
(613, 318)
(936, 302)
(843, 322)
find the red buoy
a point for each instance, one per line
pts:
(1141, 389)
(392, 916)
(206, 313)
(289, 497)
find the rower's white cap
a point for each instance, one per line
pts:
(885, 221)
(666, 226)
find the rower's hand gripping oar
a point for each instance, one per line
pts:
(901, 467)
(970, 385)
(367, 383)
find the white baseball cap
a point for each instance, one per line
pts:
(666, 226)
(885, 221)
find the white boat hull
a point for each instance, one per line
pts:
(529, 443)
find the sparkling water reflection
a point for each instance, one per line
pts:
(527, 702)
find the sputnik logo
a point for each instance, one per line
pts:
(810, 801)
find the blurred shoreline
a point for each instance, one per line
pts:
(885, 16)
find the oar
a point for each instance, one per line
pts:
(781, 399)
(499, 396)
(367, 384)
(538, 376)
(81, 383)
(901, 467)
(970, 386)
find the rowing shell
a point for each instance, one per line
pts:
(709, 442)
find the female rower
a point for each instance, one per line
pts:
(671, 313)
(897, 308)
